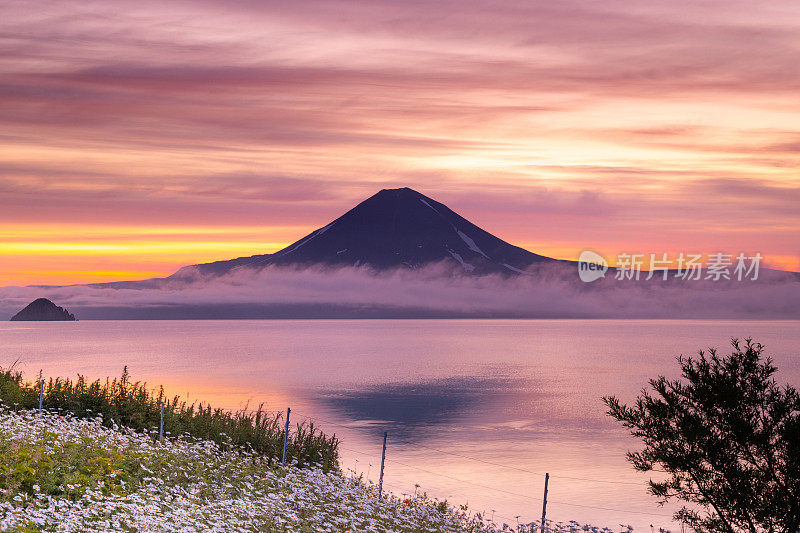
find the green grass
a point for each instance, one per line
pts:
(133, 404)
(31, 467)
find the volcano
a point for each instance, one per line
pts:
(395, 228)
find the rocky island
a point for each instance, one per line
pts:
(43, 309)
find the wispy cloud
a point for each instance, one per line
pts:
(534, 118)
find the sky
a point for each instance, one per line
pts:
(138, 137)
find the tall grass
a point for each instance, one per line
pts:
(132, 404)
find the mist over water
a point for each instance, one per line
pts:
(476, 410)
(437, 290)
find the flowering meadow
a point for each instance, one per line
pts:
(62, 473)
(134, 405)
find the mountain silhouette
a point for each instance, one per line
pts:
(391, 229)
(43, 309)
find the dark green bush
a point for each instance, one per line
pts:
(728, 437)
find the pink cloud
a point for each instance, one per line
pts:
(543, 121)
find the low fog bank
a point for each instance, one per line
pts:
(553, 291)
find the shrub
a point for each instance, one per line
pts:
(123, 402)
(728, 436)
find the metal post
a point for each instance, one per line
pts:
(383, 461)
(41, 396)
(161, 425)
(286, 435)
(544, 502)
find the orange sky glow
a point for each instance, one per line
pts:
(138, 137)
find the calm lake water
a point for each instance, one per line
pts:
(476, 410)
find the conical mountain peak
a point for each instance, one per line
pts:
(394, 228)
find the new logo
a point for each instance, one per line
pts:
(591, 266)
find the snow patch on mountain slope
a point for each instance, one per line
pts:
(317, 233)
(429, 205)
(320, 231)
(515, 269)
(457, 257)
(470, 243)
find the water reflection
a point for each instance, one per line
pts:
(410, 410)
(521, 394)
